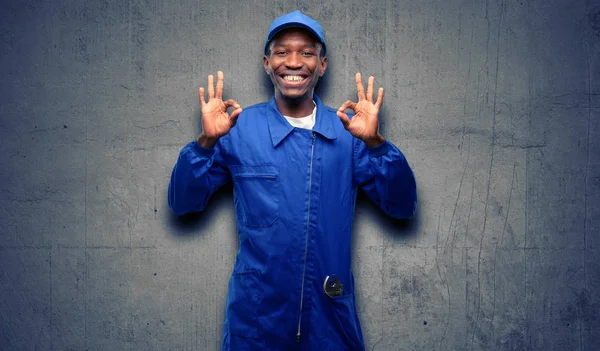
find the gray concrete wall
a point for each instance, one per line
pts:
(496, 104)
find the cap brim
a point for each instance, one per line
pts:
(284, 26)
(292, 25)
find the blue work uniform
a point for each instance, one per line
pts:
(294, 195)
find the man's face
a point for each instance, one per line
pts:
(294, 64)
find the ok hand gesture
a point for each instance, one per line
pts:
(216, 122)
(365, 123)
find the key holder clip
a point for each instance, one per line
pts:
(333, 286)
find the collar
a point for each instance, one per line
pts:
(279, 127)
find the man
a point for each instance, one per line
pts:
(296, 166)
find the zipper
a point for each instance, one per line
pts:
(312, 152)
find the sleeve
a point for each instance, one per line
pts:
(385, 176)
(198, 173)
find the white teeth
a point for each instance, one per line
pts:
(293, 78)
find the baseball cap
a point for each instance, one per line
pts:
(296, 19)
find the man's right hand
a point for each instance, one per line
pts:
(216, 122)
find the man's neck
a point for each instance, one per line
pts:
(301, 108)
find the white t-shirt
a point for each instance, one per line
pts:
(307, 122)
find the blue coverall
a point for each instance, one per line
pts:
(294, 195)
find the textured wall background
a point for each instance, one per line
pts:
(496, 105)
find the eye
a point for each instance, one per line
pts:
(308, 53)
(280, 53)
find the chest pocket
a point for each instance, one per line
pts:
(257, 191)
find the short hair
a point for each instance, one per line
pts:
(318, 46)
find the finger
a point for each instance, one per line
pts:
(379, 99)
(349, 104)
(370, 88)
(211, 87)
(201, 96)
(343, 118)
(231, 103)
(220, 85)
(359, 87)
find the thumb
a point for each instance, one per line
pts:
(234, 115)
(343, 118)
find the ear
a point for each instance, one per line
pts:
(323, 66)
(266, 63)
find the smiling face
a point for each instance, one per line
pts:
(295, 65)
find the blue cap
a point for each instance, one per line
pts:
(296, 19)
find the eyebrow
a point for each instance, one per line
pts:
(313, 46)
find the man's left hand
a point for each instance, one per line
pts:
(365, 123)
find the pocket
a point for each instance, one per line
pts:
(244, 296)
(256, 192)
(347, 319)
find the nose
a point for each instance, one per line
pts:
(293, 60)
